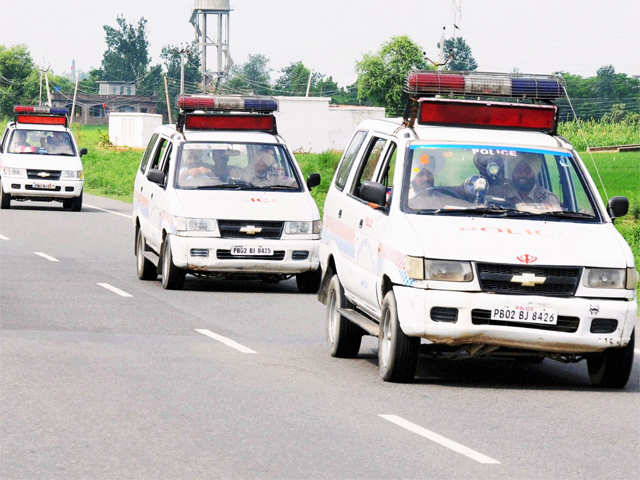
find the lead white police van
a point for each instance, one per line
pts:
(39, 159)
(473, 225)
(220, 194)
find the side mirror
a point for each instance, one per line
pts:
(374, 192)
(83, 152)
(618, 207)
(156, 176)
(313, 180)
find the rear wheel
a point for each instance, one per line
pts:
(172, 276)
(145, 268)
(5, 198)
(612, 368)
(309, 282)
(397, 353)
(343, 336)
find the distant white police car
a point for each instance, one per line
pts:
(473, 225)
(39, 159)
(221, 195)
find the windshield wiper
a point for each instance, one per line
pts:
(478, 210)
(277, 187)
(563, 214)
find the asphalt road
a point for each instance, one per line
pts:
(106, 376)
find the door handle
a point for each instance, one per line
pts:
(340, 213)
(360, 223)
(141, 188)
(152, 195)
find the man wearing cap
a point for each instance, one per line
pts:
(526, 190)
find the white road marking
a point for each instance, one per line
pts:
(434, 437)
(227, 341)
(47, 257)
(115, 290)
(2, 237)
(108, 211)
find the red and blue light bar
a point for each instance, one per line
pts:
(228, 103)
(228, 122)
(41, 110)
(537, 87)
(469, 113)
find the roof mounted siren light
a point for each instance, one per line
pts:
(227, 112)
(40, 115)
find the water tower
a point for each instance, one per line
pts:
(210, 18)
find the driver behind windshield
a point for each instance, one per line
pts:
(525, 187)
(193, 169)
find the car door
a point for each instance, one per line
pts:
(141, 189)
(358, 216)
(154, 227)
(160, 194)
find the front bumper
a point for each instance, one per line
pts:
(415, 316)
(187, 251)
(20, 187)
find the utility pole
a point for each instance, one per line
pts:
(183, 52)
(46, 79)
(75, 94)
(166, 92)
(40, 101)
(309, 83)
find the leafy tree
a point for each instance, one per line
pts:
(462, 58)
(252, 76)
(348, 96)
(293, 80)
(90, 83)
(171, 57)
(19, 78)
(127, 55)
(381, 75)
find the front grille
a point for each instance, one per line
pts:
(564, 324)
(50, 174)
(30, 187)
(559, 281)
(444, 314)
(199, 252)
(603, 325)
(226, 255)
(231, 229)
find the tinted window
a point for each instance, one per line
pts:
(368, 169)
(159, 154)
(147, 153)
(348, 158)
(41, 142)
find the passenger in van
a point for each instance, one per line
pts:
(423, 192)
(264, 172)
(221, 165)
(526, 188)
(19, 143)
(193, 167)
(492, 168)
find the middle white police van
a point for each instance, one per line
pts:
(473, 228)
(221, 195)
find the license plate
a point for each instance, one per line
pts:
(44, 186)
(525, 314)
(247, 251)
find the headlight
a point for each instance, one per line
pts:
(632, 278)
(302, 228)
(14, 172)
(448, 271)
(71, 174)
(415, 267)
(200, 225)
(604, 278)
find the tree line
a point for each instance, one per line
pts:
(608, 95)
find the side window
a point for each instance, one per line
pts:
(369, 163)
(159, 154)
(386, 176)
(166, 163)
(3, 143)
(147, 152)
(347, 160)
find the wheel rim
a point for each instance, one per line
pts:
(140, 252)
(165, 263)
(385, 341)
(332, 320)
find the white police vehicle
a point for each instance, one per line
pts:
(221, 195)
(473, 225)
(39, 159)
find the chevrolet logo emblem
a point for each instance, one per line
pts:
(43, 174)
(250, 229)
(528, 279)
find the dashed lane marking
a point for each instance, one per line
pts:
(439, 439)
(46, 257)
(227, 341)
(108, 211)
(115, 290)
(2, 237)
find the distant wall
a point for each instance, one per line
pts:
(310, 124)
(132, 129)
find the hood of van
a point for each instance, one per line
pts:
(514, 241)
(245, 205)
(41, 162)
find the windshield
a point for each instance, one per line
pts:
(493, 180)
(242, 166)
(41, 142)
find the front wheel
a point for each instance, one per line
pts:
(309, 282)
(76, 203)
(397, 353)
(172, 276)
(145, 268)
(612, 368)
(5, 198)
(343, 336)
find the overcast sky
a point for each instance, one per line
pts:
(329, 36)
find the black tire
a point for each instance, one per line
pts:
(172, 277)
(66, 203)
(612, 368)
(76, 203)
(343, 336)
(397, 353)
(309, 282)
(145, 268)
(5, 199)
